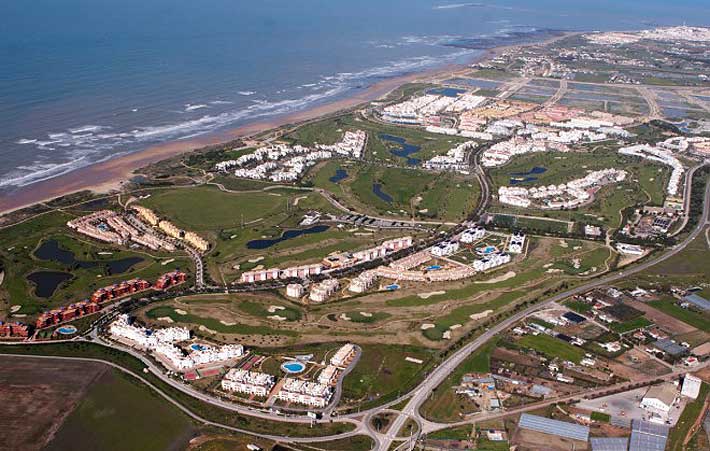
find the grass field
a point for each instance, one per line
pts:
(695, 319)
(383, 372)
(118, 413)
(686, 420)
(629, 326)
(552, 347)
(444, 404)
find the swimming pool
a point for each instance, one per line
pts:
(198, 347)
(392, 287)
(67, 330)
(293, 367)
(433, 268)
(486, 250)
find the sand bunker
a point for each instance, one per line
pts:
(430, 294)
(210, 331)
(563, 243)
(366, 314)
(501, 278)
(481, 315)
(426, 326)
(167, 319)
(227, 323)
(15, 308)
(446, 335)
(180, 312)
(277, 317)
(455, 326)
(256, 260)
(344, 317)
(553, 270)
(275, 308)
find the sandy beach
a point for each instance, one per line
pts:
(113, 173)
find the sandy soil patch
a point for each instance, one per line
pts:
(426, 326)
(277, 317)
(210, 331)
(430, 294)
(481, 315)
(501, 278)
(167, 319)
(180, 312)
(275, 308)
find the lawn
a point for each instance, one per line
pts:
(119, 413)
(261, 310)
(552, 347)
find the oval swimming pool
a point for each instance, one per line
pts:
(293, 367)
(67, 330)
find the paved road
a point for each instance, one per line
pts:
(422, 392)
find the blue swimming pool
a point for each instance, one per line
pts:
(486, 250)
(293, 367)
(433, 268)
(197, 347)
(392, 287)
(67, 330)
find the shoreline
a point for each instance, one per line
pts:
(110, 175)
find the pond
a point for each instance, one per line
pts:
(340, 174)
(444, 91)
(46, 282)
(377, 189)
(404, 150)
(287, 235)
(523, 177)
(50, 250)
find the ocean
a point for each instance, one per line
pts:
(82, 81)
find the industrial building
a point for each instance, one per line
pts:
(554, 427)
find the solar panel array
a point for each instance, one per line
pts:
(647, 436)
(554, 427)
(609, 443)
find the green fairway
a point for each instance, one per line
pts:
(208, 208)
(213, 324)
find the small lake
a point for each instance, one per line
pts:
(404, 150)
(517, 178)
(444, 91)
(377, 189)
(50, 250)
(287, 235)
(340, 174)
(46, 282)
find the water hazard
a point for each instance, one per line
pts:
(287, 235)
(404, 150)
(523, 177)
(46, 282)
(50, 250)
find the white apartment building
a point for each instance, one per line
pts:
(342, 357)
(472, 234)
(444, 249)
(248, 382)
(516, 245)
(328, 376)
(294, 290)
(491, 261)
(303, 392)
(662, 156)
(321, 292)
